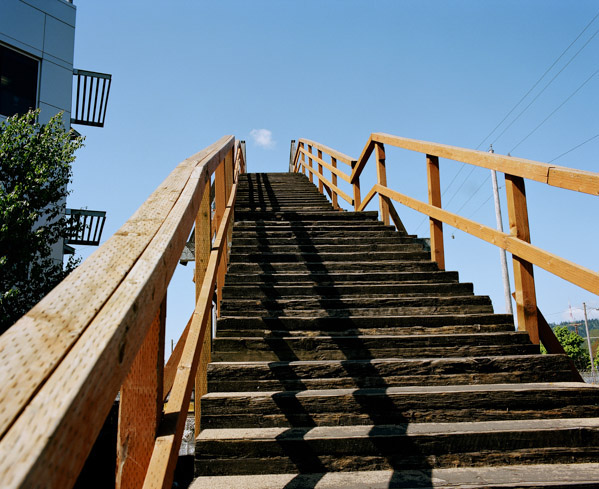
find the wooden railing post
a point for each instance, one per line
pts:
(310, 164)
(381, 174)
(301, 145)
(291, 156)
(229, 165)
(203, 238)
(320, 186)
(356, 186)
(243, 153)
(220, 201)
(140, 407)
(524, 281)
(434, 198)
(334, 180)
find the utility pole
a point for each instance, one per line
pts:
(586, 325)
(502, 253)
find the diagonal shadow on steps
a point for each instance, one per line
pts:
(364, 375)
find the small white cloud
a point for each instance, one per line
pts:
(577, 313)
(263, 138)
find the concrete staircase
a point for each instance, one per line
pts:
(345, 358)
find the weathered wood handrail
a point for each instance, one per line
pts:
(102, 329)
(517, 242)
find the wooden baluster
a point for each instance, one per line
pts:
(434, 198)
(203, 234)
(220, 199)
(524, 281)
(356, 186)
(140, 407)
(310, 164)
(320, 187)
(381, 174)
(334, 180)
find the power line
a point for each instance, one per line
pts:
(536, 97)
(480, 206)
(555, 110)
(462, 184)
(517, 117)
(575, 147)
(474, 194)
(546, 86)
(538, 81)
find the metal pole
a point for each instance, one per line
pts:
(502, 253)
(586, 326)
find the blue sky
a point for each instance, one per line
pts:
(188, 72)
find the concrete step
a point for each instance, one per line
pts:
(306, 216)
(322, 233)
(536, 476)
(342, 279)
(392, 238)
(406, 446)
(364, 256)
(414, 324)
(260, 290)
(238, 325)
(308, 247)
(321, 347)
(399, 405)
(358, 306)
(332, 267)
(389, 372)
(242, 349)
(307, 226)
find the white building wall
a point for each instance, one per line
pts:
(44, 29)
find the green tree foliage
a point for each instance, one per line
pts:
(573, 345)
(35, 169)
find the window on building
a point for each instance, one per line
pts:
(18, 82)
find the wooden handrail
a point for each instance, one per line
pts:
(328, 166)
(517, 242)
(166, 449)
(325, 149)
(63, 363)
(326, 182)
(573, 273)
(556, 176)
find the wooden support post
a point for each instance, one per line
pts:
(140, 407)
(220, 194)
(381, 174)
(291, 156)
(320, 188)
(434, 198)
(356, 185)
(203, 245)
(229, 165)
(524, 281)
(334, 180)
(310, 164)
(303, 159)
(243, 152)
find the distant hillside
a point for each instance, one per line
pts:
(593, 327)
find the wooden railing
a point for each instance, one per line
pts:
(101, 331)
(517, 242)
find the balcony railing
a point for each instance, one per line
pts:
(85, 227)
(91, 86)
